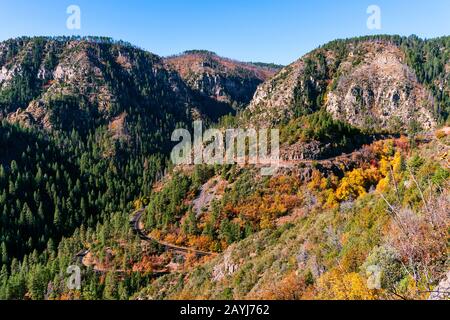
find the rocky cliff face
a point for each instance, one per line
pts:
(222, 79)
(273, 101)
(380, 91)
(367, 84)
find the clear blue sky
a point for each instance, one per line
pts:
(250, 30)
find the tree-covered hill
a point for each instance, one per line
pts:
(374, 83)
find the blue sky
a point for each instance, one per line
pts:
(277, 31)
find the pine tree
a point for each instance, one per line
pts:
(3, 254)
(57, 217)
(110, 291)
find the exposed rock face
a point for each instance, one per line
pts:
(79, 73)
(274, 99)
(118, 128)
(304, 151)
(35, 114)
(369, 86)
(102, 78)
(380, 91)
(222, 79)
(7, 74)
(226, 267)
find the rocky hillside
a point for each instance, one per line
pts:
(373, 83)
(313, 231)
(222, 79)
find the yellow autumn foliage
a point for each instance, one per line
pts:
(383, 185)
(398, 164)
(385, 166)
(334, 285)
(352, 185)
(138, 204)
(388, 167)
(331, 200)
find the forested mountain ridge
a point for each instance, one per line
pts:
(50, 82)
(374, 83)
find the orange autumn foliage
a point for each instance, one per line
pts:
(291, 287)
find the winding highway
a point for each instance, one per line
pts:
(136, 225)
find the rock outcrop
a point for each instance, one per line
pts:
(442, 291)
(367, 84)
(222, 79)
(380, 92)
